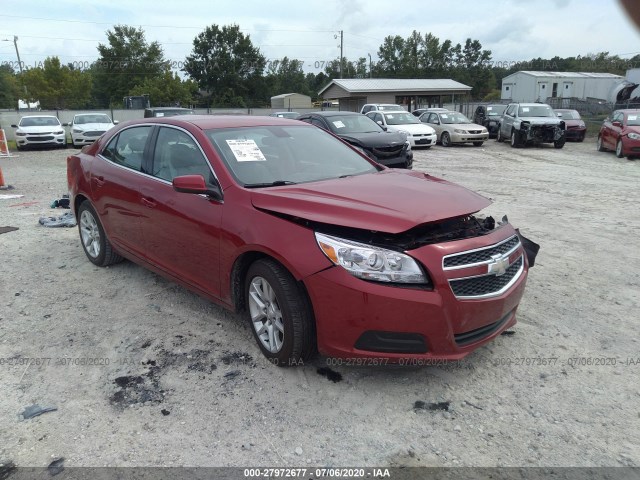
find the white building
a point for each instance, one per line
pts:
(531, 86)
(290, 101)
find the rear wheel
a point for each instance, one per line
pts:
(279, 313)
(599, 145)
(445, 139)
(95, 243)
(477, 144)
(619, 149)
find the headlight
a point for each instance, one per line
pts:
(371, 263)
(634, 136)
(21, 134)
(77, 130)
(581, 124)
(456, 130)
(59, 132)
(484, 130)
(408, 145)
(405, 133)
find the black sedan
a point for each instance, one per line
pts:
(387, 148)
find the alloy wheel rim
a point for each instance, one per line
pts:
(90, 234)
(619, 148)
(266, 314)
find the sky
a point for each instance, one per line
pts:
(514, 30)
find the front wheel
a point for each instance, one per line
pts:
(477, 144)
(95, 243)
(279, 313)
(445, 139)
(599, 145)
(515, 143)
(499, 138)
(559, 143)
(619, 149)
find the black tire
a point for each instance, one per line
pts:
(515, 142)
(499, 138)
(619, 153)
(291, 340)
(559, 143)
(445, 139)
(19, 148)
(599, 145)
(94, 241)
(581, 139)
(477, 144)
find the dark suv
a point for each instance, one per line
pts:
(489, 116)
(524, 123)
(167, 112)
(390, 149)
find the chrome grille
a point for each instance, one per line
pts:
(388, 152)
(96, 133)
(487, 285)
(474, 257)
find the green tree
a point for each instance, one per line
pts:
(167, 90)
(125, 61)
(227, 66)
(9, 90)
(287, 76)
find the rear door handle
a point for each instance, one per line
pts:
(148, 202)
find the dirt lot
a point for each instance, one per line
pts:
(145, 373)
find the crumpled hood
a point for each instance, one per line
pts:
(388, 201)
(541, 120)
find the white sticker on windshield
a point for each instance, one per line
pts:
(444, 115)
(159, 114)
(246, 151)
(489, 109)
(389, 116)
(525, 109)
(338, 124)
(632, 117)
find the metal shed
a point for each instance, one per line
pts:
(290, 101)
(353, 93)
(536, 86)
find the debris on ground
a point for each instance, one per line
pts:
(35, 411)
(56, 467)
(8, 229)
(332, 375)
(61, 203)
(420, 405)
(9, 196)
(165, 412)
(508, 333)
(232, 374)
(64, 220)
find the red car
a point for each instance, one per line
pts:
(321, 247)
(621, 133)
(575, 126)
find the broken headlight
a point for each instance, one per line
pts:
(633, 136)
(371, 263)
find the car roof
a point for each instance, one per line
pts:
(207, 122)
(39, 116)
(334, 114)
(629, 110)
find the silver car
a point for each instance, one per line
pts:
(454, 127)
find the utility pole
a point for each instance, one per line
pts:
(370, 71)
(15, 44)
(341, 57)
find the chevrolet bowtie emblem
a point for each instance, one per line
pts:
(498, 264)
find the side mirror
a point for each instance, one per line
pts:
(66, 124)
(115, 122)
(195, 184)
(14, 126)
(617, 124)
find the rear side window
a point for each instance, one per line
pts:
(127, 148)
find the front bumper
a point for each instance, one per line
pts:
(86, 138)
(492, 127)
(469, 137)
(630, 147)
(359, 319)
(575, 133)
(422, 140)
(41, 140)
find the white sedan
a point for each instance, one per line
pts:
(87, 127)
(40, 130)
(418, 134)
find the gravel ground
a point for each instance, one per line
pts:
(145, 373)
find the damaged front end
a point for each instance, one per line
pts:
(542, 132)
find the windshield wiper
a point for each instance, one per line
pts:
(277, 183)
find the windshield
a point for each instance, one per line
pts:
(495, 110)
(400, 118)
(536, 111)
(98, 118)
(353, 124)
(390, 107)
(569, 115)
(633, 120)
(39, 122)
(267, 155)
(453, 117)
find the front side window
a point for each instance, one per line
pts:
(177, 154)
(127, 148)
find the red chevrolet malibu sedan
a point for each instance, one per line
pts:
(323, 249)
(621, 133)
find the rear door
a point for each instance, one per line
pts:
(507, 120)
(115, 180)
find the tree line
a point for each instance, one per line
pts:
(225, 69)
